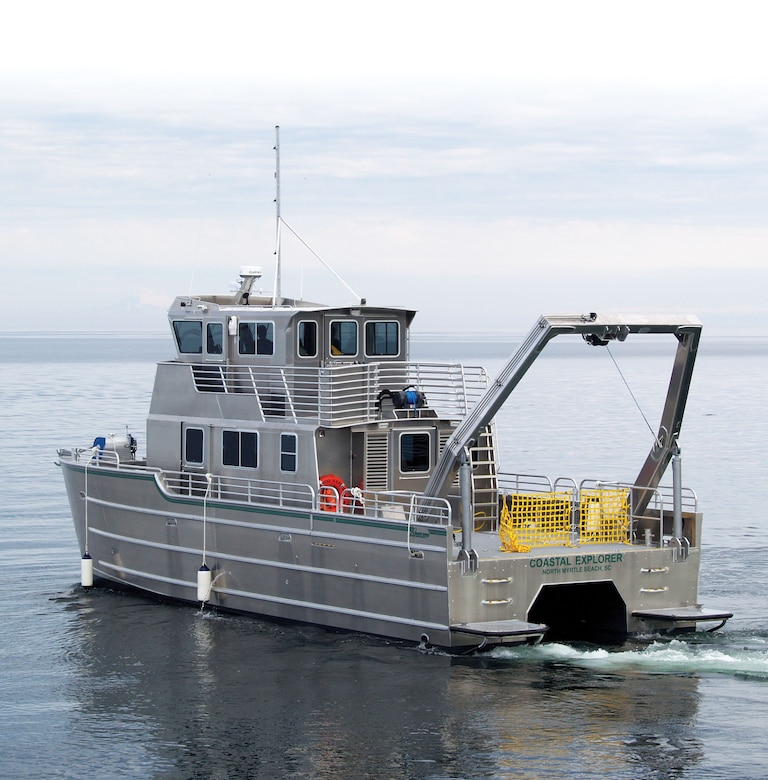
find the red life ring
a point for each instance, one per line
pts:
(331, 488)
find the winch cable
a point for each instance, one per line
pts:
(629, 389)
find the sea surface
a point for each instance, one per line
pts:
(104, 684)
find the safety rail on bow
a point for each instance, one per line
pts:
(95, 457)
(344, 394)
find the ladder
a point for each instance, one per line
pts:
(485, 486)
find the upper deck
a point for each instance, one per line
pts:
(334, 395)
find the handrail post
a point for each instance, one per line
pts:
(467, 555)
(677, 494)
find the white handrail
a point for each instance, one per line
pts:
(339, 395)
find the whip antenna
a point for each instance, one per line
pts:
(277, 293)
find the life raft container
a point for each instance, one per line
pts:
(331, 489)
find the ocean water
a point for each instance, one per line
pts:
(105, 684)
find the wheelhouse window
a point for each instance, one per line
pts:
(193, 445)
(214, 342)
(240, 448)
(414, 453)
(344, 337)
(256, 338)
(288, 449)
(307, 339)
(189, 336)
(381, 338)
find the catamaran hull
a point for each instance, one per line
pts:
(337, 570)
(360, 573)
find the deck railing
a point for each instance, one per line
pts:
(95, 457)
(386, 505)
(396, 505)
(345, 394)
(284, 495)
(537, 511)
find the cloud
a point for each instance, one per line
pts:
(645, 165)
(506, 161)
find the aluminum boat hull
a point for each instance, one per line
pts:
(360, 573)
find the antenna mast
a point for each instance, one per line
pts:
(277, 294)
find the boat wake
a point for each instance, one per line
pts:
(734, 656)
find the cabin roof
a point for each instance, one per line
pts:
(233, 304)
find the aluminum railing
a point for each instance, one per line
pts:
(661, 501)
(659, 508)
(344, 394)
(95, 457)
(386, 505)
(396, 505)
(284, 495)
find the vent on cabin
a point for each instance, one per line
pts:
(376, 461)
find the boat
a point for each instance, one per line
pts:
(300, 467)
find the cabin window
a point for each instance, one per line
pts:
(189, 336)
(193, 445)
(256, 338)
(240, 448)
(344, 337)
(214, 343)
(381, 338)
(308, 339)
(414, 452)
(288, 447)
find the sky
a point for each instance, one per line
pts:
(481, 163)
